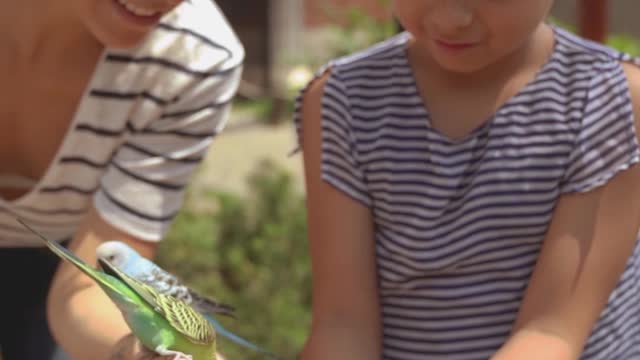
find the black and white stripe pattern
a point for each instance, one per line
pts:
(143, 126)
(459, 223)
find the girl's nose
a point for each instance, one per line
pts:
(449, 16)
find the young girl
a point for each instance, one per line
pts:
(473, 191)
(106, 107)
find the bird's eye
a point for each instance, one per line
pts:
(111, 257)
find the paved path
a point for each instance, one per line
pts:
(240, 147)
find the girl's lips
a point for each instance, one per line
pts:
(144, 21)
(451, 46)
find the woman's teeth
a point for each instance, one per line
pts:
(137, 10)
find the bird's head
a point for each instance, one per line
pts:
(116, 253)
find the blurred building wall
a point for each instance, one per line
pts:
(274, 31)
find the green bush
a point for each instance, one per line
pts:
(625, 43)
(250, 253)
(622, 42)
(349, 29)
(356, 29)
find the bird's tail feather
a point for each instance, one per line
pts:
(209, 306)
(67, 255)
(237, 339)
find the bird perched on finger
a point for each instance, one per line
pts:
(129, 261)
(162, 323)
(135, 265)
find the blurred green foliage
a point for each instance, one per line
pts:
(350, 29)
(259, 108)
(250, 253)
(355, 29)
(624, 43)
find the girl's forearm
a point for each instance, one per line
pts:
(341, 342)
(528, 344)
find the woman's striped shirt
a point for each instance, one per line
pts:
(144, 123)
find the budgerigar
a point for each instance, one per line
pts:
(162, 323)
(132, 263)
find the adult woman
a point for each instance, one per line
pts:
(105, 109)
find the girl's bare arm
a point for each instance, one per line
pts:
(586, 249)
(346, 314)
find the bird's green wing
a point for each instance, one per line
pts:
(181, 316)
(184, 318)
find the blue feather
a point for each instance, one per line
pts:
(235, 338)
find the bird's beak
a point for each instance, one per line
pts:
(107, 267)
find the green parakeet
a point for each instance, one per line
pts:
(129, 261)
(162, 323)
